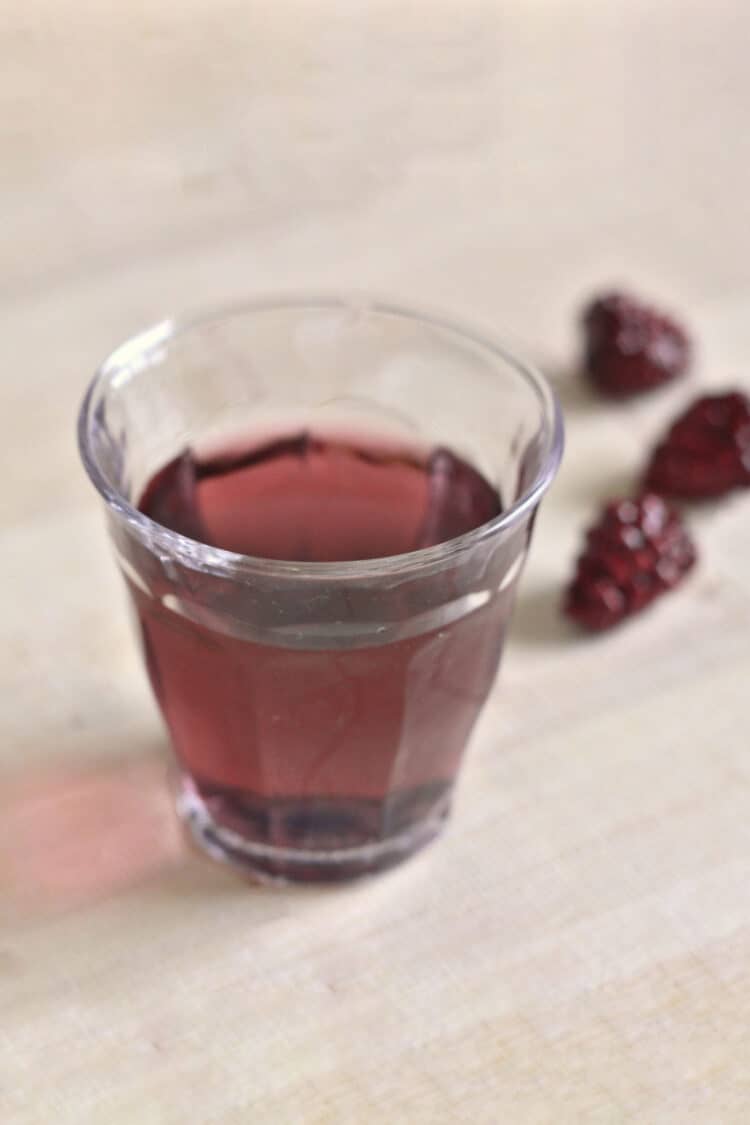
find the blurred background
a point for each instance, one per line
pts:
(496, 158)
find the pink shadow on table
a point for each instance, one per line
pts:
(68, 837)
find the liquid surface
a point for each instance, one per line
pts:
(308, 500)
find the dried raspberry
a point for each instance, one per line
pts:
(638, 550)
(706, 452)
(629, 347)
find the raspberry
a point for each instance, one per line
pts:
(629, 347)
(706, 451)
(637, 550)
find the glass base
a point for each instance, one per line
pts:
(273, 864)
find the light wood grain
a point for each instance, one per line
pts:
(576, 949)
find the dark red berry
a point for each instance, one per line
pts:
(629, 347)
(706, 451)
(636, 551)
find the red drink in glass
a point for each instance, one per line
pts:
(325, 747)
(304, 498)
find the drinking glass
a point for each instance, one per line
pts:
(319, 711)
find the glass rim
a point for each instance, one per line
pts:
(136, 352)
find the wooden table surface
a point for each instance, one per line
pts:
(576, 949)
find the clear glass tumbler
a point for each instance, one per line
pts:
(319, 711)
